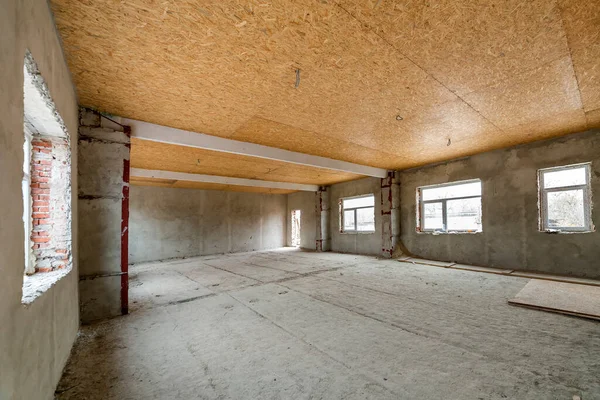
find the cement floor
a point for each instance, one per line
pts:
(289, 324)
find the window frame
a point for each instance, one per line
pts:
(587, 199)
(444, 230)
(342, 212)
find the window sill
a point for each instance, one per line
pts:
(37, 284)
(357, 232)
(436, 233)
(561, 232)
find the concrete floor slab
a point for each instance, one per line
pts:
(371, 329)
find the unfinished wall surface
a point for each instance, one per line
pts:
(357, 243)
(35, 340)
(510, 237)
(168, 223)
(305, 202)
(103, 155)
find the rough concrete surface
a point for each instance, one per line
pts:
(510, 237)
(169, 223)
(290, 324)
(35, 341)
(102, 152)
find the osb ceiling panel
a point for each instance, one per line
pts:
(468, 45)
(582, 23)
(204, 186)
(464, 76)
(167, 157)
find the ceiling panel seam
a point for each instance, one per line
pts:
(562, 24)
(418, 66)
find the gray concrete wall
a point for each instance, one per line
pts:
(305, 202)
(35, 341)
(102, 151)
(166, 223)
(510, 237)
(357, 243)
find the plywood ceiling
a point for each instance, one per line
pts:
(465, 76)
(137, 181)
(167, 157)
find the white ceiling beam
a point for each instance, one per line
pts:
(223, 180)
(164, 134)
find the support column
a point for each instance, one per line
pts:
(103, 221)
(322, 209)
(390, 214)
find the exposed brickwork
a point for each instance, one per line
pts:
(50, 250)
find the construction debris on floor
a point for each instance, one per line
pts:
(561, 297)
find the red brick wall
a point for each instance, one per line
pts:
(48, 255)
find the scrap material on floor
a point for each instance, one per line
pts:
(500, 271)
(291, 324)
(560, 297)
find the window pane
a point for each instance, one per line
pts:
(451, 191)
(464, 214)
(365, 218)
(565, 177)
(566, 209)
(368, 201)
(433, 218)
(349, 220)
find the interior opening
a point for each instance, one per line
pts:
(46, 187)
(296, 228)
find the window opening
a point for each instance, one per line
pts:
(358, 214)
(450, 207)
(565, 198)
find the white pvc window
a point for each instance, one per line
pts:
(565, 198)
(450, 207)
(358, 214)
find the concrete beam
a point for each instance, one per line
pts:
(164, 134)
(224, 180)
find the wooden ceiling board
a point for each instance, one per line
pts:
(271, 133)
(593, 118)
(454, 120)
(151, 155)
(365, 91)
(582, 24)
(203, 185)
(229, 188)
(151, 182)
(468, 45)
(538, 94)
(482, 73)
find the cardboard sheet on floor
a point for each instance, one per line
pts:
(561, 297)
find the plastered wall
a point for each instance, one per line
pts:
(167, 223)
(35, 341)
(510, 237)
(357, 243)
(103, 151)
(305, 202)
